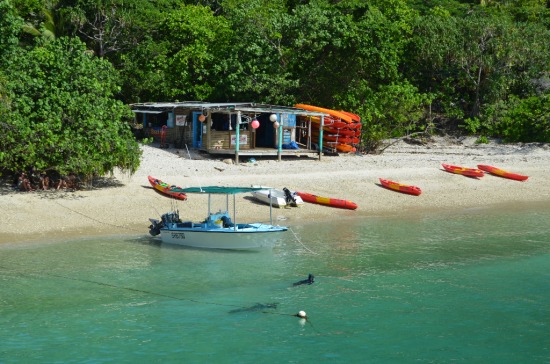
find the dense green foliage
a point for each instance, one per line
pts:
(466, 66)
(58, 123)
(60, 112)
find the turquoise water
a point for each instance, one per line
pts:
(469, 287)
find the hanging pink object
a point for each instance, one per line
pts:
(276, 124)
(255, 124)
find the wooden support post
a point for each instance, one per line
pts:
(237, 135)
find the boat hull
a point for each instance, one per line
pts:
(217, 231)
(502, 173)
(252, 237)
(277, 198)
(399, 187)
(327, 201)
(468, 172)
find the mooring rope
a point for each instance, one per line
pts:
(244, 308)
(300, 241)
(96, 220)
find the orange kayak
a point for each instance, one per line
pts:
(338, 138)
(330, 122)
(335, 113)
(353, 116)
(411, 190)
(346, 148)
(327, 201)
(468, 172)
(502, 173)
(165, 189)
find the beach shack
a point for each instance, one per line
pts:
(239, 129)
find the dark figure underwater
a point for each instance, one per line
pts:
(310, 280)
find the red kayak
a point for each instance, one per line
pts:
(399, 187)
(468, 172)
(165, 188)
(502, 173)
(345, 148)
(327, 201)
(332, 122)
(344, 131)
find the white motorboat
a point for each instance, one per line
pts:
(218, 230)
(277, 198)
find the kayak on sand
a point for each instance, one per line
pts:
(327, 201)
(502, 173)
(399, 187)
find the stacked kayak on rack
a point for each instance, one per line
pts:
(341, 129)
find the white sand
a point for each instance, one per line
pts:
(125, 206)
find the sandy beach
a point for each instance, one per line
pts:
(122, 204)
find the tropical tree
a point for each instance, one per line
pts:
(10, 28)
(193, 43)
(256, 64)
(44, 25)
(63, 114)
(476, 63)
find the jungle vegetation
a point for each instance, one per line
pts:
(69, 68)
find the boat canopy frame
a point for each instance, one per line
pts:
(220, 190)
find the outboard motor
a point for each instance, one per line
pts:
(288, 196)
(154, 228)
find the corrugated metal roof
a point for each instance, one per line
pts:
(248, 107)
(148, 111)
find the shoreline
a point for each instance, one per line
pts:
(129, 201)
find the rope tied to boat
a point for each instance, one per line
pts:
(96, 220)
(300, 241)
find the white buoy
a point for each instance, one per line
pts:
(302, 314)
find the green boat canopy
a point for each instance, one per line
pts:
(217, 190)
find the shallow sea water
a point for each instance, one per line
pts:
(469, 287)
